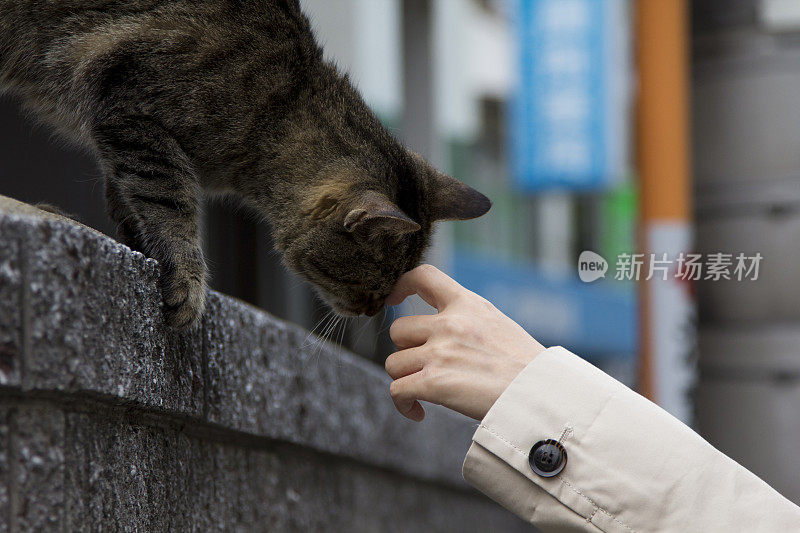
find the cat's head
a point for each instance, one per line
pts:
(361, 228)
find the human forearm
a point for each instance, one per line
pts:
(630, 465)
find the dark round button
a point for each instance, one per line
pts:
(547, 457)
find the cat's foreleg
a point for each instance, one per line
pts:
(122, 216)
(153, 196)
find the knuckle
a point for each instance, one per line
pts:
(427, 269)
(486, 304)
(455, 325)
(474, 299)
(448, 350)
(429, 372)
(444, 355)
(433, 377)
(480, 302)
(438, 351)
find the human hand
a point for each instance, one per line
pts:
(463, 358)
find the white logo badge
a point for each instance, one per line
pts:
(591, 266)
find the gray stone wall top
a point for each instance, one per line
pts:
(80, 317)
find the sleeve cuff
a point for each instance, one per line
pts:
(556, 393)
(630, 465)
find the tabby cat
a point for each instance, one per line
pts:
(228, 97)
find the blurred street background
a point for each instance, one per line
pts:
(644, 131)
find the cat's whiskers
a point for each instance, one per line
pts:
(343, 331)
(362, 330)
(338, 337)
(327, 329)
(324, 319)
(329, 334)
(325, 337)
(317, 341)
(384, 326)
(310, 335)
(338, 361)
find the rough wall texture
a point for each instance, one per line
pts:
(110, 421)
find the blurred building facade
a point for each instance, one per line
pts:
(533, 107)
(746, 131)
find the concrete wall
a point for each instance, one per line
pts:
(110, 421)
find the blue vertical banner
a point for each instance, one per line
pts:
(567, 118)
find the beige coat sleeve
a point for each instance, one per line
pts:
(630, 465)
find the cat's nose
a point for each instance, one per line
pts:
(373, 307)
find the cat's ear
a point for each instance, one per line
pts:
(373, 213)
(452, 200)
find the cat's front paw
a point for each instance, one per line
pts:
(183, 289)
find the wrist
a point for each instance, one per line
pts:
(530, 352)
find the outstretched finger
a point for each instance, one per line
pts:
(434, 286)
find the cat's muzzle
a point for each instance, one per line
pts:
(370, 306)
